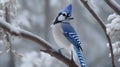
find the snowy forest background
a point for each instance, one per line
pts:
(36, 16)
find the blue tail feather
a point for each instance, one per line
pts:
(80, 57)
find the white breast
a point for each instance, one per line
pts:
(59, 37)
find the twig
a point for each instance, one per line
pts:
(102, 26)
(7, 16)
(114, 5)
(25, 34)
(7, 37)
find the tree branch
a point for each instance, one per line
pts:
(25, 34)
(102, 26)
(7, 37)
(114, 5)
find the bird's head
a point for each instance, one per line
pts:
(64, 14)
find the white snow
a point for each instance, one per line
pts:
(113, 28)
(116, 44)
(31, 59)
(116, 49)
(111, 16)
(114, 25)
(35, 59)
(11, 27)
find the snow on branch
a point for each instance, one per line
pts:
(114, 5)
(85, 3)
(116, 49)
(25, 34)
(114, 26)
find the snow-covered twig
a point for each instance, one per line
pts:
(25, 34)
(116, 49)
(6, 14)
(114, 26)
(112, 29)
(114, 5)
(85, 3)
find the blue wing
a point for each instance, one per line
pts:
(71, 35)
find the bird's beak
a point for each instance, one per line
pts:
(70, 18)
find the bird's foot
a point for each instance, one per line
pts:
(59, 50)
(72, 56)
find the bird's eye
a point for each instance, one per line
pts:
(64, 14)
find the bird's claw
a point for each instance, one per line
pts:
(72, 56)
(59, 50)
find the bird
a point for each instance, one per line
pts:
(64, 34)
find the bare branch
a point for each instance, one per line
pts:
(114, 5)
(102, 26)
(25, 34)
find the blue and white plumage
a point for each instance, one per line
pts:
(65, 35)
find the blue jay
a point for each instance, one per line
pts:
(65, 35)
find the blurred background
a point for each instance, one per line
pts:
(36, 16)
